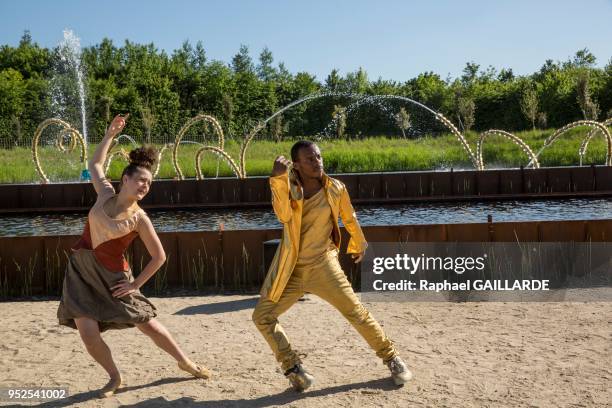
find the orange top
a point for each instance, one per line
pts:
(109, 237)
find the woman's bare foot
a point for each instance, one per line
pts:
(109, 389)
(194, 369)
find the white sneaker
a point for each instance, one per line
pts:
(399, 372)
(300, 379)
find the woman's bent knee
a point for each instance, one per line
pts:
(151, 328)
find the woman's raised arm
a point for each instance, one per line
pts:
(96, 163)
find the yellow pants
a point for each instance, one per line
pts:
(325, 279)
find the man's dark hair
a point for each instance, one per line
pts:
(295, 149)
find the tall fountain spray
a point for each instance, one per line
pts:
(70, 54)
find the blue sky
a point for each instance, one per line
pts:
(391, 39)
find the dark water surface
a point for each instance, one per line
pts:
(422, 213)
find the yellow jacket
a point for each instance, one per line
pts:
(287, 201)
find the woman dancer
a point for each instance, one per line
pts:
(99, 291)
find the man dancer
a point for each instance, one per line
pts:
(308, 202)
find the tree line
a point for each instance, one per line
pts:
(163, 90)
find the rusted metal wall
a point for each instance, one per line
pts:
(363, 187)
(233, 260)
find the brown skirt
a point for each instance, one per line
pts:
(86, 293)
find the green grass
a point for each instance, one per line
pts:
(340, 156)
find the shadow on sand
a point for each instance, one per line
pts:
(220, 307)
(82, 397)
(286, 397)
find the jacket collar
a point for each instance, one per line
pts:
(295, 186)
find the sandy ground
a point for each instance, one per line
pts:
(462, 354)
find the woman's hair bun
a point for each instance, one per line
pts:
(144, 156)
